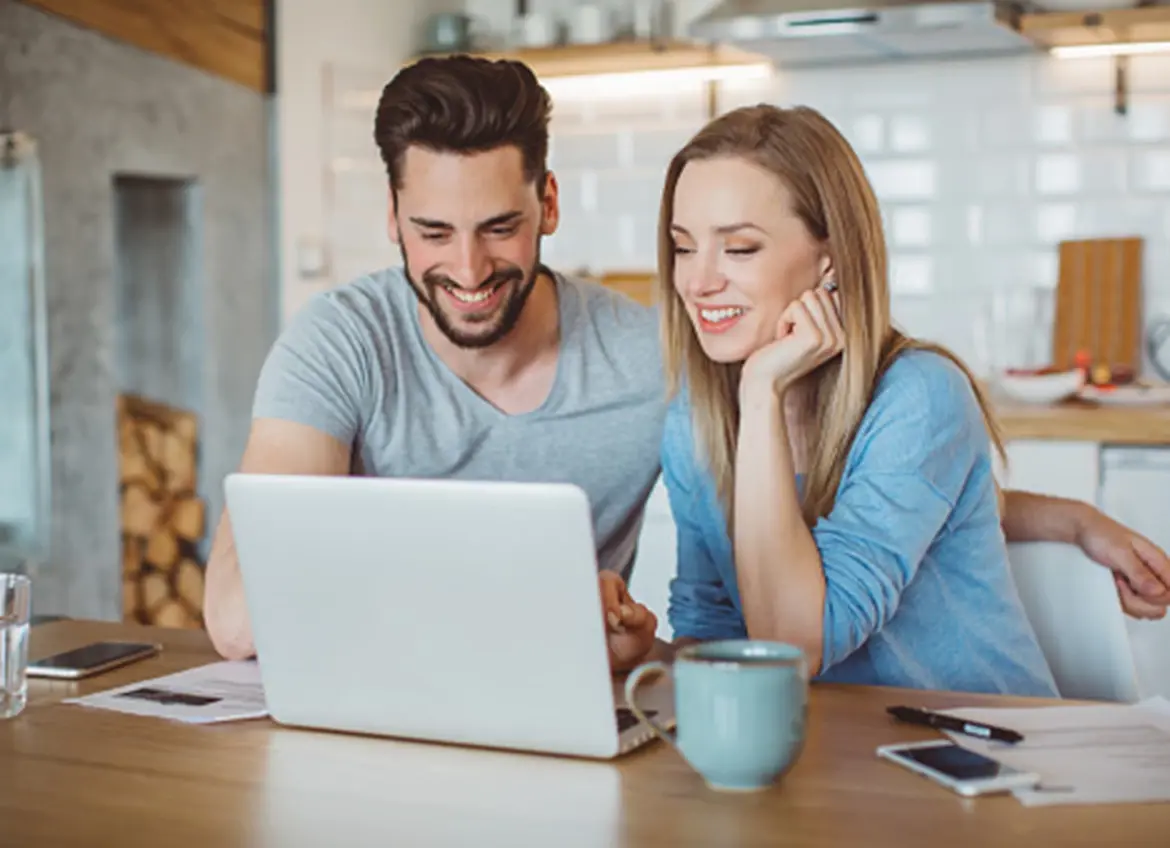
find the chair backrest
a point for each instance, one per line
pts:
(1073, 606)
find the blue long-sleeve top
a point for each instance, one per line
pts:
(918, 590)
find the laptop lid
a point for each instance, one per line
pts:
(445, 610)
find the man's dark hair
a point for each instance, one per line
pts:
(463, 104)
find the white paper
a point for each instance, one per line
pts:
(1117, 753)
(221, 691)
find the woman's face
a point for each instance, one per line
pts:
(741, 254)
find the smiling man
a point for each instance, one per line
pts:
(473, 360)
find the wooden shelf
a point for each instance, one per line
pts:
(1079, 421)
(1110, 26)
(622, 57)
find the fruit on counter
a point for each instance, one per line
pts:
(1122, 375)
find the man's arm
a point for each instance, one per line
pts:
(274, 447)
(1140, 568)
(1028, 517)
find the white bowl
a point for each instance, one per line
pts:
(1083, 5)
(1041, 388)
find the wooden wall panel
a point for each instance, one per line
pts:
(224, 37)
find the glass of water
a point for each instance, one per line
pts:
(14, 601)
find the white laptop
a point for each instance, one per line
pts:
(453, 611)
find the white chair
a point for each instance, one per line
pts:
(1073, 606)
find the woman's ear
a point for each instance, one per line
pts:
(825, 268)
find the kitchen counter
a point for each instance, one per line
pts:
(1085, 422)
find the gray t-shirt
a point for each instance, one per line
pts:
(353, 363)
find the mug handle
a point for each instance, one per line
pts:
(632, 683)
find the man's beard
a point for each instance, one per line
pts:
(498, 323)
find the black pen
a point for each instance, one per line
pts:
(912, 715)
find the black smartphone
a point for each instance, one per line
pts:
(90, 659)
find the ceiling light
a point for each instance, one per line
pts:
(1121, 48)
(624, 83)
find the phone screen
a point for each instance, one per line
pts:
(956, 762)
(91, 656)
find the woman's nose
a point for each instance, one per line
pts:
(705, 282)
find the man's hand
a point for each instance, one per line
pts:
(629, 626)
(1140, 568)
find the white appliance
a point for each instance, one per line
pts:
(656, 560)
(454, 611)
(1135, 490)
(832, 32)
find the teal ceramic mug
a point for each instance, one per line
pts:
(740, 708)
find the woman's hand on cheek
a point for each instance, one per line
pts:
(808, 334)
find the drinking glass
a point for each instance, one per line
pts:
(14, 602)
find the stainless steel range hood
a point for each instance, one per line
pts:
(831, 32)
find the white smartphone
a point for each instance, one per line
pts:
(956, 768)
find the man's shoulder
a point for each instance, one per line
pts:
(382, 289)
(369, 305)
(611, 309)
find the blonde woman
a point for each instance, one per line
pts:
(831, 479)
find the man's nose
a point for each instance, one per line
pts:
(474, 264)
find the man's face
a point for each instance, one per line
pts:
(469, 228)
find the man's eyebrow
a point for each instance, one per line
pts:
(431, 224)
(500, 220)
(494, 221)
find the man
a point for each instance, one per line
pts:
(473, 360)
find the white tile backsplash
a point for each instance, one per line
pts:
(1053, 125)
(910, 179)
(1151, 170)
(1149, 120)
(910, 133)
(981, 168)
(1150, 73)
(911, 226)
(585, 150)
(866, 134)
(1056, 222)
(911, 274)
(1058, 173)
(1067, 76)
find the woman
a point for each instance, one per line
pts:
(831, 479)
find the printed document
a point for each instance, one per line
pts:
(221, 691)
(1109, 754)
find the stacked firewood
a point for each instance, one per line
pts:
(163, 518)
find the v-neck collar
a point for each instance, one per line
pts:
(567, 348)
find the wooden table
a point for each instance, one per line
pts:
(75, 776)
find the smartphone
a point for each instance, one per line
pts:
(90, 659)
(957, 768)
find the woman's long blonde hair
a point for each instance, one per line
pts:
(833, 198)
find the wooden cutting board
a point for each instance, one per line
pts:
(1099, 303)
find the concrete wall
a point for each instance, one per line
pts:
(100, 109)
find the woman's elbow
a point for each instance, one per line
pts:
(810, 641)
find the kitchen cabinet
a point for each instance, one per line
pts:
(1135, 490)
(655, 561)
(1064, 469)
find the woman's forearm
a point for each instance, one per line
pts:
(778, 566)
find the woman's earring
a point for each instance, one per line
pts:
(830, 285)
